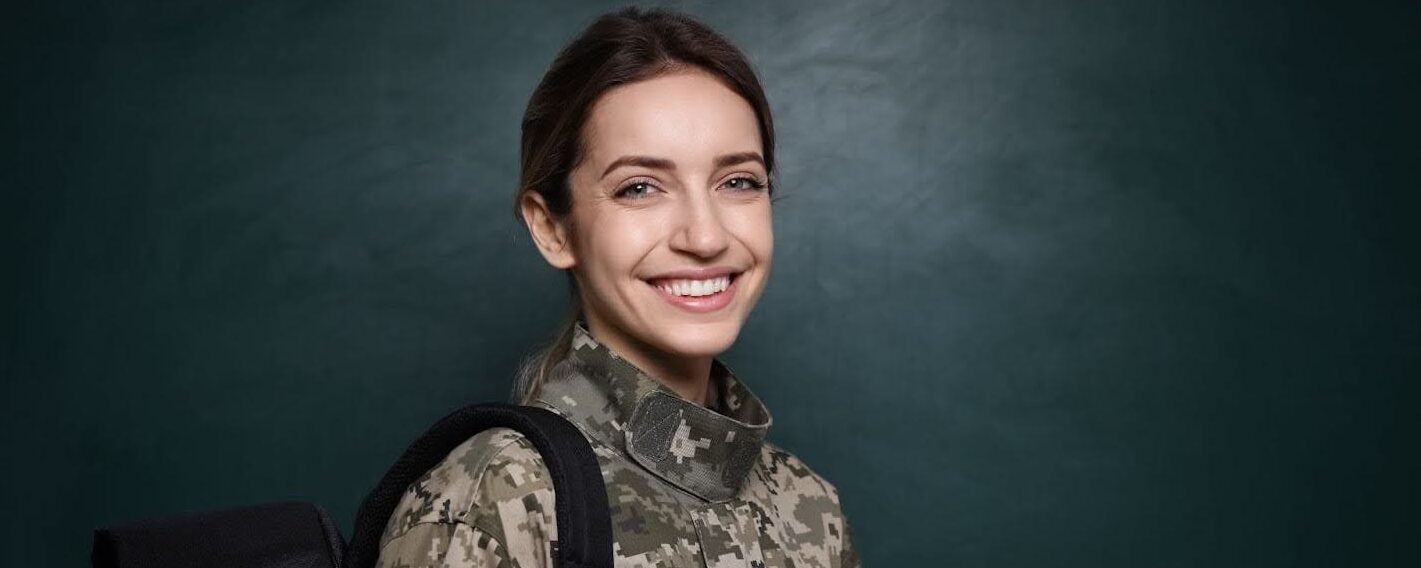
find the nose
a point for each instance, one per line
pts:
(700, 231)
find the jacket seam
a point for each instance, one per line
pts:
(478, 475)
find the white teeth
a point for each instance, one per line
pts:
(696, 287)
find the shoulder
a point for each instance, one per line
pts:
(810, 505)
(788, 473)
(490, 474)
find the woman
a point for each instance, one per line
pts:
(646, 161)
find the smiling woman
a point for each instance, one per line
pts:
(685, 220)
(647, 156)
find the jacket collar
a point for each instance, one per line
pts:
(705, 450)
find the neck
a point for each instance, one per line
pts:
(688, 377)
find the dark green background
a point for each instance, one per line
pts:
(1102, 283)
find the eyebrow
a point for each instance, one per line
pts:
(665, 164)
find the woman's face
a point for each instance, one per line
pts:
(670, 203)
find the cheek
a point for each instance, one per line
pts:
(617, 242)
(755, 229)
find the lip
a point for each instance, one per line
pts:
(701, 304)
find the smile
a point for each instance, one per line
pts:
(695, 287)
(697, 296)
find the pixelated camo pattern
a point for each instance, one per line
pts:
(687, 485)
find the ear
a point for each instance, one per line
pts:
(550, 235)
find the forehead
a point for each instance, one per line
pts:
(687, 116)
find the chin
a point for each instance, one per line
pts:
(698, 339)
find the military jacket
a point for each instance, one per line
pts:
(688, 485)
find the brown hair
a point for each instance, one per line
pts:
(629, 45)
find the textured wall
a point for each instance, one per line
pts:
(1099, 283)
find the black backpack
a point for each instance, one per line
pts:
(301, 535)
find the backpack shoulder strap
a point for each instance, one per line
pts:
(580, 498)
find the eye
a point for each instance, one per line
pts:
(745, 183)
(639, 189)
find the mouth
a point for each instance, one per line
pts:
(704, 295)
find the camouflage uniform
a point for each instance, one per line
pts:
(687, 485)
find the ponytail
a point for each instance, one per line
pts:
(535, 368)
